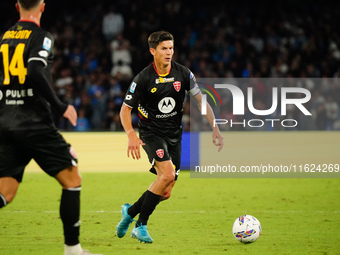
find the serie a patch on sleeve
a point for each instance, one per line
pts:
(133, 87)
(47, 44)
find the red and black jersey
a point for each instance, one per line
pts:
(160, 98)
(21, 106)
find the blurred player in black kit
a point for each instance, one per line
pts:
(26, 127)
(159, 92)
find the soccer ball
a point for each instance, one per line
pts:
(246, 229)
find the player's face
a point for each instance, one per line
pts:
(163, 52)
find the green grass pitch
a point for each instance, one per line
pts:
(298, 216)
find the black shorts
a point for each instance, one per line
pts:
(47, 147)
(162, 149)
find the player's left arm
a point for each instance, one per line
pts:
(35, 71)
(210, 116)
(39, 56)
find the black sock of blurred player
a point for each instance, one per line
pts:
(69, 214)
(150, 202)
(136, 207)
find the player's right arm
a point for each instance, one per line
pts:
(133, 141)
(131, 100)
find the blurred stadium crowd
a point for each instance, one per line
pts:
(101, 45)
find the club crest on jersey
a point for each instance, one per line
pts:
(160, 153)
(177, 85)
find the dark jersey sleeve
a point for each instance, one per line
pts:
(35, 71)
(42, 49)
(39, 70)
(134, 92)
(193, 88)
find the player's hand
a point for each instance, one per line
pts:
(134, 144)
(71, 115)
(217, 139)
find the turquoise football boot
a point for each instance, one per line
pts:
(125, 222)
(141, 234)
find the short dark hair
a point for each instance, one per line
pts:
(157, 37)
(28, 4)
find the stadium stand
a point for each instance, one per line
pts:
(95, 62)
